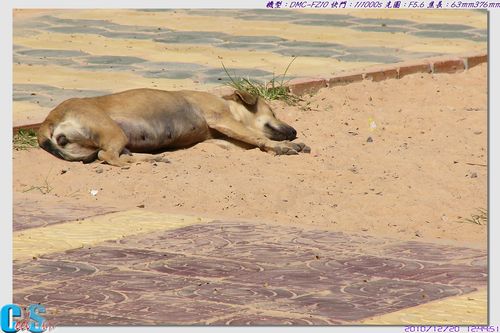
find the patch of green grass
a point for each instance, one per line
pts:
(480, 218)
(275, 89)
(25, 139)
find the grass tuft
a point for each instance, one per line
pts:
(480, 218)
(275, 89)
(46, 188)
(24, 139)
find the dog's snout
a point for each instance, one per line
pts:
(289, 132)
(281, 132)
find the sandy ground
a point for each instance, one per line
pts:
(422, 172)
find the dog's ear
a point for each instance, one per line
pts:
(246, 98)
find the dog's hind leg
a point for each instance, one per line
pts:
(111, 142)
(113, 152)
(112, 157)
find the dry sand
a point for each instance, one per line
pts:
(421, 175)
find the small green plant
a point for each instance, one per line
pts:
(275, 89)
(24, 139)
(480, 218)
(46, 188)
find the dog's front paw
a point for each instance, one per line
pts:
(304, 148)
(284, 150)
(290, 148)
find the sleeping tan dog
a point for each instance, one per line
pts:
(110, 127)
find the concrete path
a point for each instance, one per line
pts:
(60, 54)
(144, 268)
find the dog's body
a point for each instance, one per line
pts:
(146, 120)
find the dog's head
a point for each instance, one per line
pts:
(255, 113)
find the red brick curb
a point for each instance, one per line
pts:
(448, 66)
(306, 86)
(302, 86)
(414, 67)
(443, 64)
(472, 60)
(346, 79)
(381, 73)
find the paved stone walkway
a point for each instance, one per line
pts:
(145, 268)
(60, 54)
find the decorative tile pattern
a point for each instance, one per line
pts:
(235, 273)
(29, 213)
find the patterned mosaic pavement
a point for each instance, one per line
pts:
(145, 268)
(31, 213)
(60, 54)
